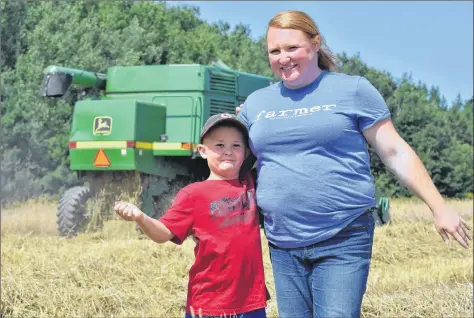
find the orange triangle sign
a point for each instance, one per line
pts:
(101, 159)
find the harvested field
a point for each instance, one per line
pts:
(113, 273)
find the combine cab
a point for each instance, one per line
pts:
(138, 140)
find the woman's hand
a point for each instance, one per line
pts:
(449, 222)
(237, 109)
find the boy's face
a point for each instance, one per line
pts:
(225, 151)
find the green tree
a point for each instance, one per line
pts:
(95, 35)
(12, 42)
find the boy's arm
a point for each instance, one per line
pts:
(154, 229)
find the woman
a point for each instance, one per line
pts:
(315, 187)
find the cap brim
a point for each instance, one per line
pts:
(237, 122)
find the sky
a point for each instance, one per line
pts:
(432, 40)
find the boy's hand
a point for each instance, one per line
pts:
(129, 211)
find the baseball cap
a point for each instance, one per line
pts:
(220, 118)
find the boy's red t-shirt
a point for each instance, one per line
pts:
(227, 276)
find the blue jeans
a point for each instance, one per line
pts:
(259, 313)
(326, 279)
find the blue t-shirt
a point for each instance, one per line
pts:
(313, 165)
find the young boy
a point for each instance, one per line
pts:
(227, 277)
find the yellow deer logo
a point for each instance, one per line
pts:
(102, 125)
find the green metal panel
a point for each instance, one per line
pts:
(146, 161)
(248, 83)
(130, 120)
(181, 117)
(155, 78)
(83, 159)
(133, 159)
(182, 78)
(127, 120)
(184, 112)
(150, 121)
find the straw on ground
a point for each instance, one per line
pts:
(113, 273)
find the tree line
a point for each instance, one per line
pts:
(94, 35)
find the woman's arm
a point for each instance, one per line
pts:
(405, 164)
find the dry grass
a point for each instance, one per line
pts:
(36, 217)
(113, 273)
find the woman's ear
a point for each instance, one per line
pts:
(202, 151)
(316, 41)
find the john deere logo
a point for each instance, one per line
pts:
(102, 125)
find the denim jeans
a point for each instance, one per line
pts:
(259, 313)
(326, 279)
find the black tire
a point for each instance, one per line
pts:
(71, 215)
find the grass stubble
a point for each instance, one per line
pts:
(113, 273)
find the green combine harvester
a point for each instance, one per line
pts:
(137, 141)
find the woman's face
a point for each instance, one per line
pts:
(292, 56)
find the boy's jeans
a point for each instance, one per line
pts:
(327, 279)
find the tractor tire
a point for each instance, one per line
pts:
(71, 215)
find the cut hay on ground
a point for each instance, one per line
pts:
(113, 273)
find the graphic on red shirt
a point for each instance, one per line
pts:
(233, 210)
(227, 276)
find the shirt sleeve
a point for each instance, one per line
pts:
(249, 162)
(179, 218)
(243, 115)
(371, 107)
